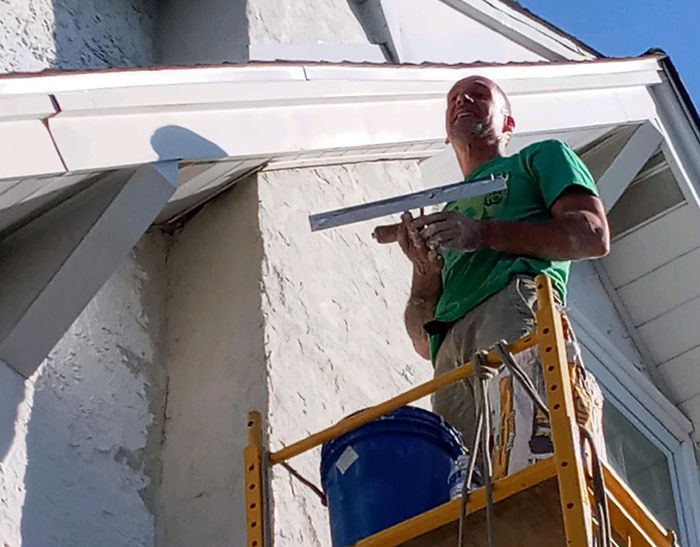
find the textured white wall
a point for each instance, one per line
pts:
(216, 371)
(205, 31)
(304, 22)
(430, 30)
(333, 332)
(333, 305)
(79, 441)
(39, 34)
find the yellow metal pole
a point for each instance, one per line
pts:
(575, 504)
(372, 413)
(252, 461)
(448, 512)
(628, 514)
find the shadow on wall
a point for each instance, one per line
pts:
(173, 142)
(83, 486)
(12, 392)
(103, 33)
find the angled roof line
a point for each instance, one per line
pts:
(517, 6)
(678, 86)
(655, 53)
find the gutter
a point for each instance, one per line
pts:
(678, 87)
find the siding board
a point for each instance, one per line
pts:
(663, 289)
(652, 245)
(682, 374)
(673, 333)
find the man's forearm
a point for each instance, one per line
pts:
(573, 236)
(420, 308)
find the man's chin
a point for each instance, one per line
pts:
(468, 131)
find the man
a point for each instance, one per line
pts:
(474, 263)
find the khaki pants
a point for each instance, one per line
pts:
(520, 433)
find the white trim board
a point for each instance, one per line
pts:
(625, 373)
(653, 415)
(521, 29)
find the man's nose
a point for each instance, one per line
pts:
(464, 98)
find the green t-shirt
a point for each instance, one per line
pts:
(537, 175)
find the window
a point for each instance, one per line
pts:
(644, 467)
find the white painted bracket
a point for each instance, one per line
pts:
(52, 267)
(643, 143)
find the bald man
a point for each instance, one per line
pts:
(474, 265)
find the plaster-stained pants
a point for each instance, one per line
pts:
(520, 433)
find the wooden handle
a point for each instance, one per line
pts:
(386, 233)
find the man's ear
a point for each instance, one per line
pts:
(447, 139)
(508, 124)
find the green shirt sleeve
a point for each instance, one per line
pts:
(556, 167)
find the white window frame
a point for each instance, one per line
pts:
(648, 410)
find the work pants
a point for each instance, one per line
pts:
(520, 432)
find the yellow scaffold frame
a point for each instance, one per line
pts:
(630, 520)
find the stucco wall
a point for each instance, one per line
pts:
(39, 34)
(305, 22)
(216, 367)
(205, 31)
(333, 305)
(79, 441)
(450, 37)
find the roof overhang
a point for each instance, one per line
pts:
(220, 123)
(66, 123)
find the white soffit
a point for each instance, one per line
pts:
(120, 78)
(27, 148)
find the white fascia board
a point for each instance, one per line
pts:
(89, 142)
(681, 146)
(25, 107)
(274, 109)
(579, 109)
(319, 51)
(522, 29)
(221, 95)
(500, 73)
(118, 78)
(27, 150)
(242, 133)
(629, 380)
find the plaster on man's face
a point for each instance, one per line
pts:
(475, 109)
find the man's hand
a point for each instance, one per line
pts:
(425, 261)
(450, 230)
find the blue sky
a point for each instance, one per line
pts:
(621, 28)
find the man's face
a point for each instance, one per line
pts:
(476, 109)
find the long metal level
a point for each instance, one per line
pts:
(399, 204)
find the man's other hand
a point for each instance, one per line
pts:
(449, 230)
(426, 261)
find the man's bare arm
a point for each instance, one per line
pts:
(426, 284)
(577, 230)
(420, 308)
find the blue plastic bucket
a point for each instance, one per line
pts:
(387, 471)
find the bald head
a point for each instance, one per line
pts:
(477, 108)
